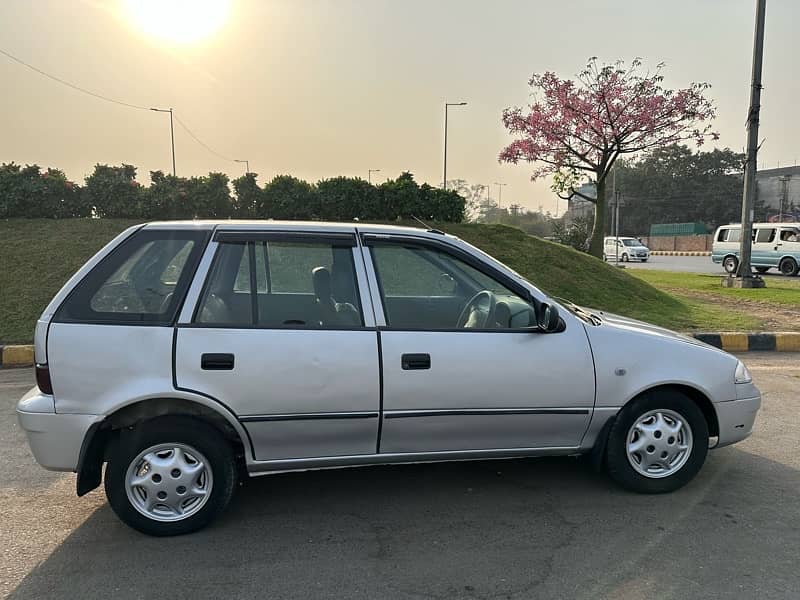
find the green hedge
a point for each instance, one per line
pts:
(114, 192)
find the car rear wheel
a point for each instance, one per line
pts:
(170, 476)
(657, 443)
(730, 264)
(788, 266)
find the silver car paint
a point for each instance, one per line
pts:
(135, 365)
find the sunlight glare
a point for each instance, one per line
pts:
(179, 21)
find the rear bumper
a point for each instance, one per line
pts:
(736, 419)
(55, 439)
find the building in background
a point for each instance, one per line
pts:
(779, 190)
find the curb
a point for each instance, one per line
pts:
(752, 342)
(16, 356)
(788, 341)
(677, 253)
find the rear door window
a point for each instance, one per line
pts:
(764, 236)
(142, 281)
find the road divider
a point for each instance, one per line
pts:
(677, 253)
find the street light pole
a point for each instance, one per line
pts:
(446, 106)
(369, 174)
(246, 163)
(500, 193)
(171, 134)
(744, 272)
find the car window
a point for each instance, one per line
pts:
(733, 235)
(790, 235)
(297, 285)
(765, 235)
(142, 280)
(425, 288)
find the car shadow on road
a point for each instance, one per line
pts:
(511, 529)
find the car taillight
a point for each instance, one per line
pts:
(43, 379)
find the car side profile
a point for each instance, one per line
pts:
(775, 245)
(625, 249)
(186, 356)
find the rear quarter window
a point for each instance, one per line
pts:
(143, 280)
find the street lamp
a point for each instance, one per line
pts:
(500, 193)
(446, 106)
(246, 164)
(171, 134)
(370, 172)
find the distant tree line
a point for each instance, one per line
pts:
(113, 192)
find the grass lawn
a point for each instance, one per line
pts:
(37, 256)
(776, 307)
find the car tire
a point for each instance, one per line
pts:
(762, 270)
(178, 442)
(788, 267)
(730, 264)
(625, 257)
(643, 453)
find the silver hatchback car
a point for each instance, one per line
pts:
(186, 355)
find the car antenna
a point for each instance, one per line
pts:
(427, 227)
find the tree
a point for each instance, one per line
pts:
(675, 185)
(576, 130)
(247, 196)
(114, 192)
(287, 197)
(348, 198)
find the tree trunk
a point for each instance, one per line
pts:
(598, 231)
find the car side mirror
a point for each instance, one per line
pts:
(548, 319)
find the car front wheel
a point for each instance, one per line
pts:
(170, 476)
(657, 443)
(730, 264)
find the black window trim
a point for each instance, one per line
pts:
(249, 239)
(371, 239)
(189, 272)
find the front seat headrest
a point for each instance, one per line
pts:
(321, 279)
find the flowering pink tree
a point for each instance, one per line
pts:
(576, 130)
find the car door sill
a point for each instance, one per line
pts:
(265, 467)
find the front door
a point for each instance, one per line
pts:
(279, 336)
(464, 367)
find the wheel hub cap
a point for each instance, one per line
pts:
(169, 482)
(659, 443)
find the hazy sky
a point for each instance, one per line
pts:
(318, 88)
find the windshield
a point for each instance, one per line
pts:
(632, 242)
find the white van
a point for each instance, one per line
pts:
(774, 245)
(625, 249)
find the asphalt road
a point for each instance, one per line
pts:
(686, 264)
(524, 529)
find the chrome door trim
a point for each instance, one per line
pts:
(196, 287)
(309, 416)
(373, 288)
(266, 467)
(448, 412)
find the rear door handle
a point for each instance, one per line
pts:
(414, 362)
(216, 362)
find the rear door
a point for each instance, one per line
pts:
(280, 334)
(473, 374)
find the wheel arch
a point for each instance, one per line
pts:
(103, 434)
(697, 396)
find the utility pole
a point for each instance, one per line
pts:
(246, 164)
(499, 193)
(446, 106)
(784, 195)
(369, 174)
(171, 134)
(744, 273)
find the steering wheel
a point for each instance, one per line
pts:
(479, 311)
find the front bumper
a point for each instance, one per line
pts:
(736, 419)
(55, 439)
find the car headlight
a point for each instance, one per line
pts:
(742, 375)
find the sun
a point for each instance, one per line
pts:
(178, 21)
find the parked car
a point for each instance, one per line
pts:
(625, 249)
(187, 355)
(774, 245)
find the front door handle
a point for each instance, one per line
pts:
(216, 362)
(414, 362)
